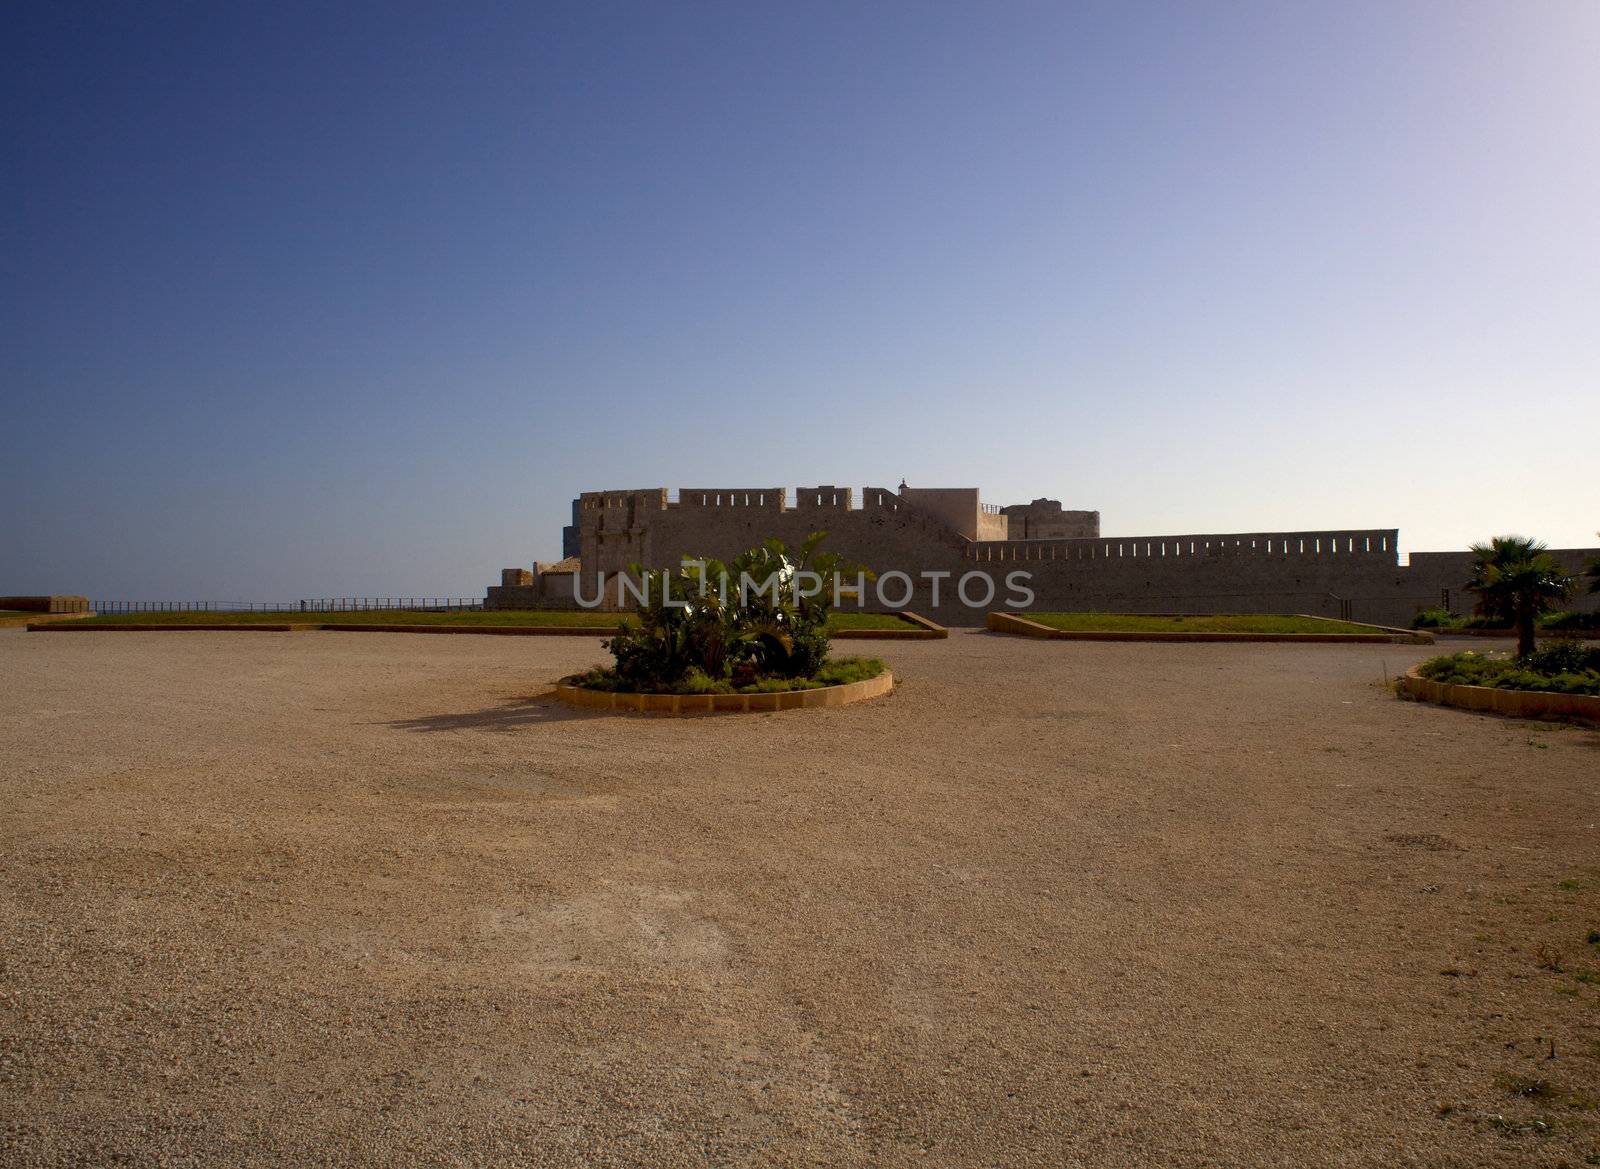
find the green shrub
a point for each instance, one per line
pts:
(700, 631)
(1435, 618)
(1564, 657)
(836, 672)
(1554, 668)
(597, 678)
(697, 681)
(779, 685)
(1464, 669)
(1565, 683)
(1570, 620)
(842, 671)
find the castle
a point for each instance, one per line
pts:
(947, 532)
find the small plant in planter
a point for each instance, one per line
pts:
(756, 624)
(1555, 668)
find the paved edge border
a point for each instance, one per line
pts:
(686, 704)
(1382, 634)
(1492, 700)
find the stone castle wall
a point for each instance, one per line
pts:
(1353, 573)
(621, 528)
(1045, 519)
(1439, 579)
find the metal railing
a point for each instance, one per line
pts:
(303, 605)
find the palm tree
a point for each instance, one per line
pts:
(1518, 579)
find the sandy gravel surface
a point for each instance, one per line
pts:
(294, 899)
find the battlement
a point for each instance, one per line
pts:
(772, 498)
(828, 498)
(957, 512)
(1351, 542)
(648, 499)
(823, 498)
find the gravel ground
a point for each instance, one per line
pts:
(317, 898)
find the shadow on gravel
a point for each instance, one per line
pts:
(519, 712)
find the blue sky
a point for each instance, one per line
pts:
(329, 299)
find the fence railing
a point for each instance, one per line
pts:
(303, 605)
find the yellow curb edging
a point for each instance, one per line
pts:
(685, 704)
(1516, 703)
(1011, 623)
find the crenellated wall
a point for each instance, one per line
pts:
(1353, 542)
(1354, 573)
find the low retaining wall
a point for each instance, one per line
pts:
(1382, 634)
(501, 630)
(926, 631)
(680, 704)
(242, 627)
(1517, 703)
(70, 627)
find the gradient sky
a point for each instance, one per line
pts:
(312, 300)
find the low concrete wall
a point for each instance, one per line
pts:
(681, 704)
(1011, 623)
(925, 631)
(67, 627)
(1491, 700)
(496, 630)
(493, 630)
(931, 626)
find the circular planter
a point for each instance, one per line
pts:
(680, 704)
(1517, 703)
